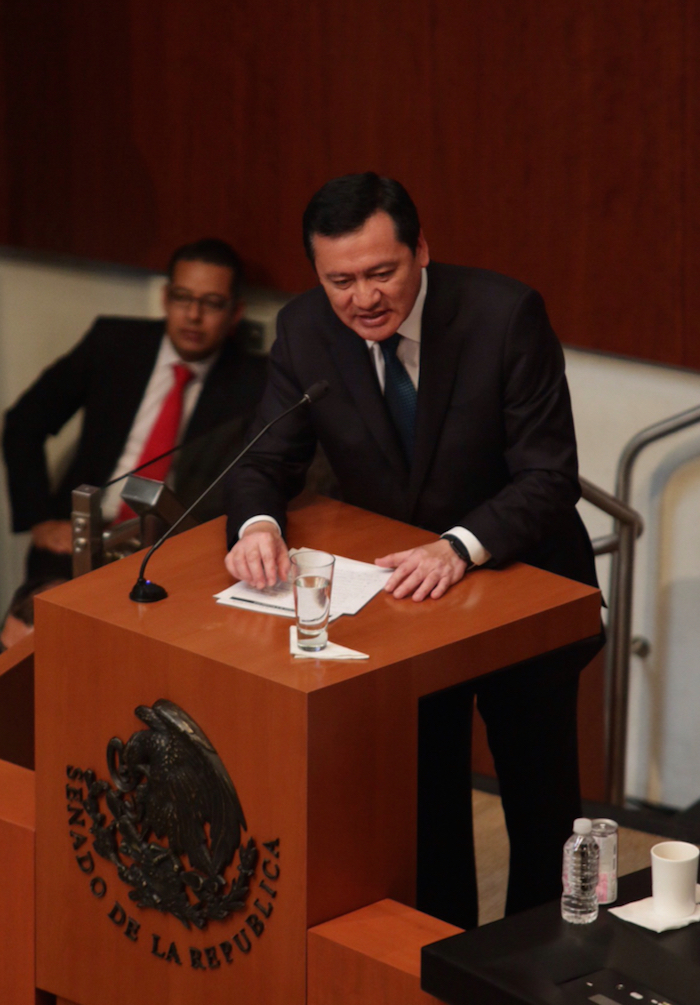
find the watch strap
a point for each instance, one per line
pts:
(460, 549)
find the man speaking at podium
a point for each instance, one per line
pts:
(451, 412)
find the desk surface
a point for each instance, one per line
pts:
(526, 958)
(472, 624)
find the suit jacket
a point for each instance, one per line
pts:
(495, 446)
(106, 374)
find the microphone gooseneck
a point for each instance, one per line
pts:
(146, 592)
(147, 464)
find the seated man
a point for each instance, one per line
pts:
(145, 385)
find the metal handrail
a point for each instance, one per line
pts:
(650, 434)
(628, 526)
(620, 600)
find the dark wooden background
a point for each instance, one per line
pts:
(554, 140)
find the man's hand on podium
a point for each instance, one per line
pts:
(260, 558)
(428, 571)
(53, 535)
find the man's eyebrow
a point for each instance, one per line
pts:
(377, 267)
(210, 293)
(389, 264)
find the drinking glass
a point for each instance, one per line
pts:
(312, 578)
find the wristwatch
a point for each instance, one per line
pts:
(459, 548)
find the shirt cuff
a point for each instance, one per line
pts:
(266, 519)
(478, 554)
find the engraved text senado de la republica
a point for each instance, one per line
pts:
(171, 824)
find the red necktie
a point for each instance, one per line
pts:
(163, 434)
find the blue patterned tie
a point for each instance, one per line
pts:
(399, 394)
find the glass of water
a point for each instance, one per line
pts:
(312, 577)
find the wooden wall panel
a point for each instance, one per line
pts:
(552, 140)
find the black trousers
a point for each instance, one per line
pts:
(530, 715)
(46, 565)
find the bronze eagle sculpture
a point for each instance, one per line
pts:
(179, 788)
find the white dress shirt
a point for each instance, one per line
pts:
(158, 387)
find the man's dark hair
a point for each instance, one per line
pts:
(344, 204)
(213, 251)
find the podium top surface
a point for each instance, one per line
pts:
(474, 620)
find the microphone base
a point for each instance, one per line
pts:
(146, 592)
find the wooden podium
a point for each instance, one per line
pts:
(322, 755)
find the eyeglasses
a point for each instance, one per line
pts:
(208, 304)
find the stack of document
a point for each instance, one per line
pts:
(354, 585)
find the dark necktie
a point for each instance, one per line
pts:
(399, 394)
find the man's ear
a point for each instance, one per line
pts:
(422, 250)
(164, 296)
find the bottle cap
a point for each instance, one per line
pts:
(582, 825)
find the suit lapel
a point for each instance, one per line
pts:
(219, 395)
(136, 373)
(441, 344)
(355, 366)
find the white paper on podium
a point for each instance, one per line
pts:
(354, 585)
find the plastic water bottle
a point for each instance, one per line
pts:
(580, 875)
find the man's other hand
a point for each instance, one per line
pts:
(53, 535)
(260, 558)
(428, 571)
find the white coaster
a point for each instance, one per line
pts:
(641, 912)
(331, 652)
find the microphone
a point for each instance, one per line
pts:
(146, 592)
(147, 464)
(313, 393)
(159, 457)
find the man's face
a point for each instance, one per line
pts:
(199, 308)
(370, 277)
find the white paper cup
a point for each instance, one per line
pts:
(674, 874)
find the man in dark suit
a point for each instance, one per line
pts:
(121, 374)
(475, 441)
